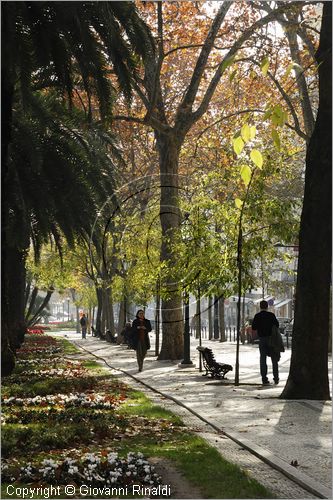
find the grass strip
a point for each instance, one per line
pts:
(136, 425)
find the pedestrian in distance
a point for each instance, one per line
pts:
(263, 323)
(84, 325)
(140, 338)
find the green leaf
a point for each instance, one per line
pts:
(256, 157)
(264, 65)
(238, 145)
(227, 62)
(279, 116)
(246, 173)
(232, 76)
(253, 132)
(238, 203)
(245, 133)
(276, 139)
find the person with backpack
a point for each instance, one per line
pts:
(263, 322)
(84, 325)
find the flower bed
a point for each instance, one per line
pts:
(38, 344)
(95, 400)
(95, 469)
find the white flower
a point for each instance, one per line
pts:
(112, 457)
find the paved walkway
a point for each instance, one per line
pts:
(275, 430)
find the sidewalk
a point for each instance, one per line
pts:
(277, 431)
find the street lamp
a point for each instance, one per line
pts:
(187, 358)
(186, 363)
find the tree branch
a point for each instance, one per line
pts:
(46, 300)
(156, 87)
(292, 23)
(222, 66)
(154, 122)
(203, 57)
(229, 116)
(193, 46)
(287, 99)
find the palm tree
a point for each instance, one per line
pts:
(58, 176)
(49, 171)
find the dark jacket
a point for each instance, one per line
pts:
(263, 323)
(83, 321)
(135, 337)
(276, 342)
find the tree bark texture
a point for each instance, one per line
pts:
(308, 376)
(172, 316)
(121, 316)
(43, 305)
(222, 320)
(216, 317)
(210, 318)
(13, 320)
(99, 310)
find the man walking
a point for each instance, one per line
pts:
(84, 324)
(263, 322)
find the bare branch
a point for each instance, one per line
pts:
(222, 119)
(236, 46)
(193, 46)
(141, 94)
(203, 57)
(154, 122)
(181, 47)
(287, 99)
(291, 34)
(156, 86)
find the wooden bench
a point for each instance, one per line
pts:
(212, 367)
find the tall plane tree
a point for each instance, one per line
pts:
(170, 132)
(308, 376)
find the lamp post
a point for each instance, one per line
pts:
(186, 363)
(187, 357)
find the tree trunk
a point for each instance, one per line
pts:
(172, 317)
(210, 318)
(15, 278)
(216, 317)
(308, 376)
(99, 310)
(13, 320)
(43, 305)
(33, 297)
(157, 318)
(121, 316)
(27, 293)
(110, 315)
(78, 329)
(198, 318)
(222, 320)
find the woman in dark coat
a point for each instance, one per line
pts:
(140, 338)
